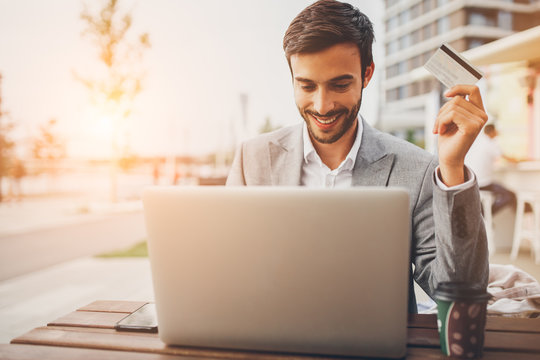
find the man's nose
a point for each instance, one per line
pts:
(323, 102)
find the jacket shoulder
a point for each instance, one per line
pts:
(405, 150)
(279, 136)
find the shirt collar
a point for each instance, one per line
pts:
(348, 164)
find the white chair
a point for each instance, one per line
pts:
(532, 198)
(487, 198)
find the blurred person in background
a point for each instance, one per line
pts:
(482, 159)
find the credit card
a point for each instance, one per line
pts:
(451, 68)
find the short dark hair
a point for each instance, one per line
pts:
(327, 23)
(489, 129)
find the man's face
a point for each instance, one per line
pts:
(328, 90)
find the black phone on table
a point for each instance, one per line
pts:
(143, 319)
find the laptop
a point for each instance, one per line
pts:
(282, 269)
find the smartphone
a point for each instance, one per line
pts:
(144, 320)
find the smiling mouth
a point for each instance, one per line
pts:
(325, 120)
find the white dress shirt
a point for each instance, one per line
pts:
(482, 157)
(316, 174)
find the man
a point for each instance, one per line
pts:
(328, 47)
(482, 157)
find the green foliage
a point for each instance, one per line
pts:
(138, 250)
(411, 136)
(268, 126)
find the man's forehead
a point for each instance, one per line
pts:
(335, 61)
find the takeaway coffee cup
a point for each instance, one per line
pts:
(461, 319)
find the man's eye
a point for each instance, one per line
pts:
(341, 86)
(308, 87)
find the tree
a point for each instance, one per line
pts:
(6, 152)
(121, 81)
(48, 146)
(6, 145)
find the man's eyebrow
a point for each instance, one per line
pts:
(342, 77)
(301, 79)
(337, 78)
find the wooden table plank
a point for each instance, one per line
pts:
(493, 323)
(94, 319)
(37, 352)
(498, 323)
(113, 306)
(494, 340)
(91, 329)
(415, 353)
(28, 352)
(139, 342)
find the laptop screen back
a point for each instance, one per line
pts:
(281, 269)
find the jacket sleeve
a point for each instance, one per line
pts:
(449, 237)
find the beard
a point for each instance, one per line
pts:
(330, 137)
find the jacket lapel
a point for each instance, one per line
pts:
(372, 168)
(373, 164)
(286, 156)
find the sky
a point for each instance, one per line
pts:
(203, 56)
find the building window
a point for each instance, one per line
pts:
(416, 36)
(416, 62)
(392, 47)
(392, 71)
(415, 88)
(504, 20)
(427, 32)
(416, 11)
(426, 56)
(392, 23)
(402, 92)
(402, 67)
(427, 86)
(482, 19)
(404, 41)
(426, 6)
(404, 17)
(475, 43)
(391, 95)
(443, 25)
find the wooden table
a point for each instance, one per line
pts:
(89, 333)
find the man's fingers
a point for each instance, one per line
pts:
(467, 90)
(460, 102)
(458, 117)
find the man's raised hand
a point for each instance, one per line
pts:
(458, 123)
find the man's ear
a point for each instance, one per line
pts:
(369, 73)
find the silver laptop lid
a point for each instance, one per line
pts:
(281, 269)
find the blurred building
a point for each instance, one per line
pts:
(415, 29)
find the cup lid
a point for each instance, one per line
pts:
(461, 291)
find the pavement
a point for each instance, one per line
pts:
(46, 212)
(47, 268)
(35, 299)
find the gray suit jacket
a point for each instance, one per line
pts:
(447, 231)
